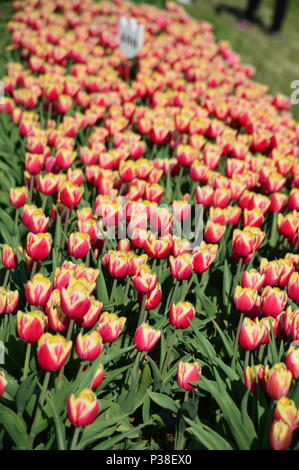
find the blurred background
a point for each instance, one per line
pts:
(276, 59)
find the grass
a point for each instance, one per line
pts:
(276, 61)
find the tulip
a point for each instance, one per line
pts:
(292, 361)
(70, 195)
(118, 264)
(294, 329)
(9, 257)
(278, 381)
(8, 300)
(273, 301)
(3, 383)
(253, 375)
(203, 256)
(62, 278)
(83, 409)
(38, 290)
(271, 271)
(286, 271)
(47, 184)
(146, 337)
(57, 320)
(251, 334)
(31, 325)
(37, 222)
(53, 351)
(124, 245)
(38, 245)
(281, 435)
(89, 346)
(204, 195)
(136, 261)
(188, 372)
(181, 267)
(288, 412)
(245, 298)
(252, 279)
(153, 298)
(293, 287)
(145, 280)
(110, 326)
(98, 377)
(75, 300)
(214, 232)
(18, 196)
(181, 314)
(89, 319)
(78, 244)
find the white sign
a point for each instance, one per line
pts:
(131, 35)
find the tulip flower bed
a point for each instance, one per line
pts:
(143, 341)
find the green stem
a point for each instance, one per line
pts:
(31, 188)
(180, 439)
(34, 266)
(49, 114)
(142, 314)
(169, 347)
(68, 337)
(40, 402)
(44, 197)
(125, 296)
(6, 278)
(87, 262)
(66, 224)
(174, 294)
(113, 289)
(178, 182)
(16, 221)
(238, 332)
(27, 361)
(75, 437)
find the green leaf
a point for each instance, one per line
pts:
(15, 426)
(59, 426)
(164, 401)
(25, 392)
(209, 438)
(102, 293)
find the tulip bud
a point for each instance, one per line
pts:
(188, 372)
(31, 325)
(146, 337)
(78, 244)
(278, 381)
(253, 375)
(288, 412)
(110, 326)
(38, 245)
(214, 232)
(98, 377)
(245, 298)
(9, 257)
(38, 290)
(281, 435)
(203, 256)
(53, 351)
(57, 320)
(37, 222)
(3, 383)
(273, 301)
(181, 314)
(75, 300)
(293, 287)
(124, 245)
(292, 361)
(83, 409)
(181, 267)
(145, 280)
(89, 346)
(89, 319)
(70, 195)
(153, 298)
(251, 334)
(253, 279)
(118, 264)
(18, 196)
